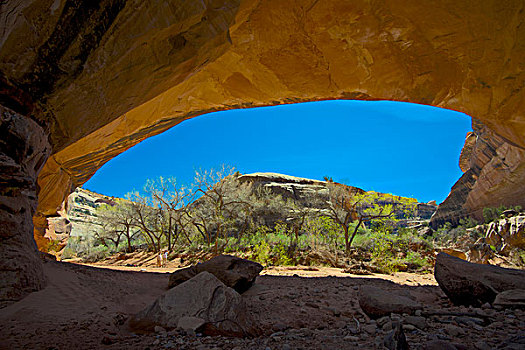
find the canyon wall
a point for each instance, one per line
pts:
(100, 76)
(493, 175)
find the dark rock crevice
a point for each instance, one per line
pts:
(78, 32)
(24, 148)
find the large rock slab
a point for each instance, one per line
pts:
(205, 298)
(474, 284)
(377, 302)
(234, 272)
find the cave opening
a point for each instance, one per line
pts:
(405, 149)
(393, 147)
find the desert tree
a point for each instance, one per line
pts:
(222, 204)
(298, 214)
(149, 218)
(116, 223)
(348, 205)
(172, 200)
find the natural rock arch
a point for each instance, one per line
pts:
(100, 76)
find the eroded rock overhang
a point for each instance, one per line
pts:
(150, 65)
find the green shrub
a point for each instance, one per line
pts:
(493, 214)
(417, 260)
(383, 254)
(261, 253)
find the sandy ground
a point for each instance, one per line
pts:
(86, 307)
(405, 278)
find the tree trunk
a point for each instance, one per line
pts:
(128, 238)
(169, 234)
(355, 232)
(347, 242)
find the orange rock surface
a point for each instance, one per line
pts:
(124, 71)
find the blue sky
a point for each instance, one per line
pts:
(400, 148)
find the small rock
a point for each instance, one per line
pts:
(514, 298)
(481, 345)
(351, 338)
(438, 345)
(370, 329)
(190, 323)
(418, 321)
(159, 329)
(396, 340)
(468, 321)
(280, 327)
(453, 330)
(387, 327)
(381, 321)
(107, 340)
(408, 327)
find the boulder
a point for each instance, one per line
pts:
(234, 272)
(513, 298)
(455, 252)
(474, 284)
(377, 302)
(202, 304)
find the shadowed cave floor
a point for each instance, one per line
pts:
(86, 307)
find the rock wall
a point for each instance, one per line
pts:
(77, 218)
(494, 175)
(24, 148)
(310, 193)
(103, 75)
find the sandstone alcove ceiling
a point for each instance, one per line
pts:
(99, 77)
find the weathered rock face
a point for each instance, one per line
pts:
(506, 234)
(24, 148)
(202, 300)
(474, 284)
(494, 175)
(104, 75)
(308, 193)
(76, 218)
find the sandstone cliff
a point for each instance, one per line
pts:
(77, 218)
(311, 193)
(494, 175)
